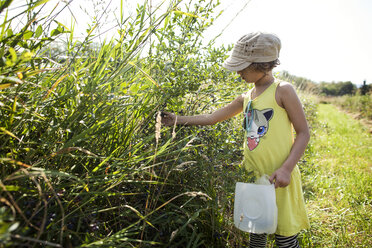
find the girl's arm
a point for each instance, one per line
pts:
(230, 110)
(291, 103)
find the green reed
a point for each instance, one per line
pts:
(81, 164)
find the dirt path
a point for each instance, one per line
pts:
(356, 116)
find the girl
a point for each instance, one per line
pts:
(271, 108)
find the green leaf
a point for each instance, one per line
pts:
(9, 32)
(55, 32)
(188, 14)
(166, 21)
(38, 31)
(12, 188)
(13, 54)
(27, 35)
(134, 88)
(61, 26)
(26, 55)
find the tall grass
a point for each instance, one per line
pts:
(82, 160)
(358, 104)
(337, 182)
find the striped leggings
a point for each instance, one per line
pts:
(259, 240)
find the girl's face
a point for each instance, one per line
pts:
(249, 75)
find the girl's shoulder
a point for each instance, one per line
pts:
(285, 92)
(284, 88)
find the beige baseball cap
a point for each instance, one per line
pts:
(255, 47)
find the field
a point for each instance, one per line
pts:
(85, 161)
(358, 106)
(337, 182)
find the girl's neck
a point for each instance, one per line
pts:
(265, 81)
(262, 84)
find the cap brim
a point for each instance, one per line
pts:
(236, 64)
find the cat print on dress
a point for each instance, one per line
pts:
(259, 126)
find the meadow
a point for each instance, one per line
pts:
(337, 181)
(358, 105)
(85, 161)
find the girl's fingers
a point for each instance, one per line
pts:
(277, 185)
(164, 114)
(167, 118)
(271, 179)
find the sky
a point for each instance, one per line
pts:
(322, 40)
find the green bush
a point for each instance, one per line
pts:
(82, 160)
(82, 164)
(357, 104)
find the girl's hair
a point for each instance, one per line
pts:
(265, 66)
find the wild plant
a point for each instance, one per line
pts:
(83, 161)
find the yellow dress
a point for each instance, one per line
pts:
(266, 147)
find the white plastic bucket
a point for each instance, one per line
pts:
(255, 209)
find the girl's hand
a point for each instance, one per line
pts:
(281, 177)
(168, 119)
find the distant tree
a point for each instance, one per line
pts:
(346, 88)
(327, 89)
(337, 89)
(365, 88)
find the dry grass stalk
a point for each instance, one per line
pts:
(158, 127)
